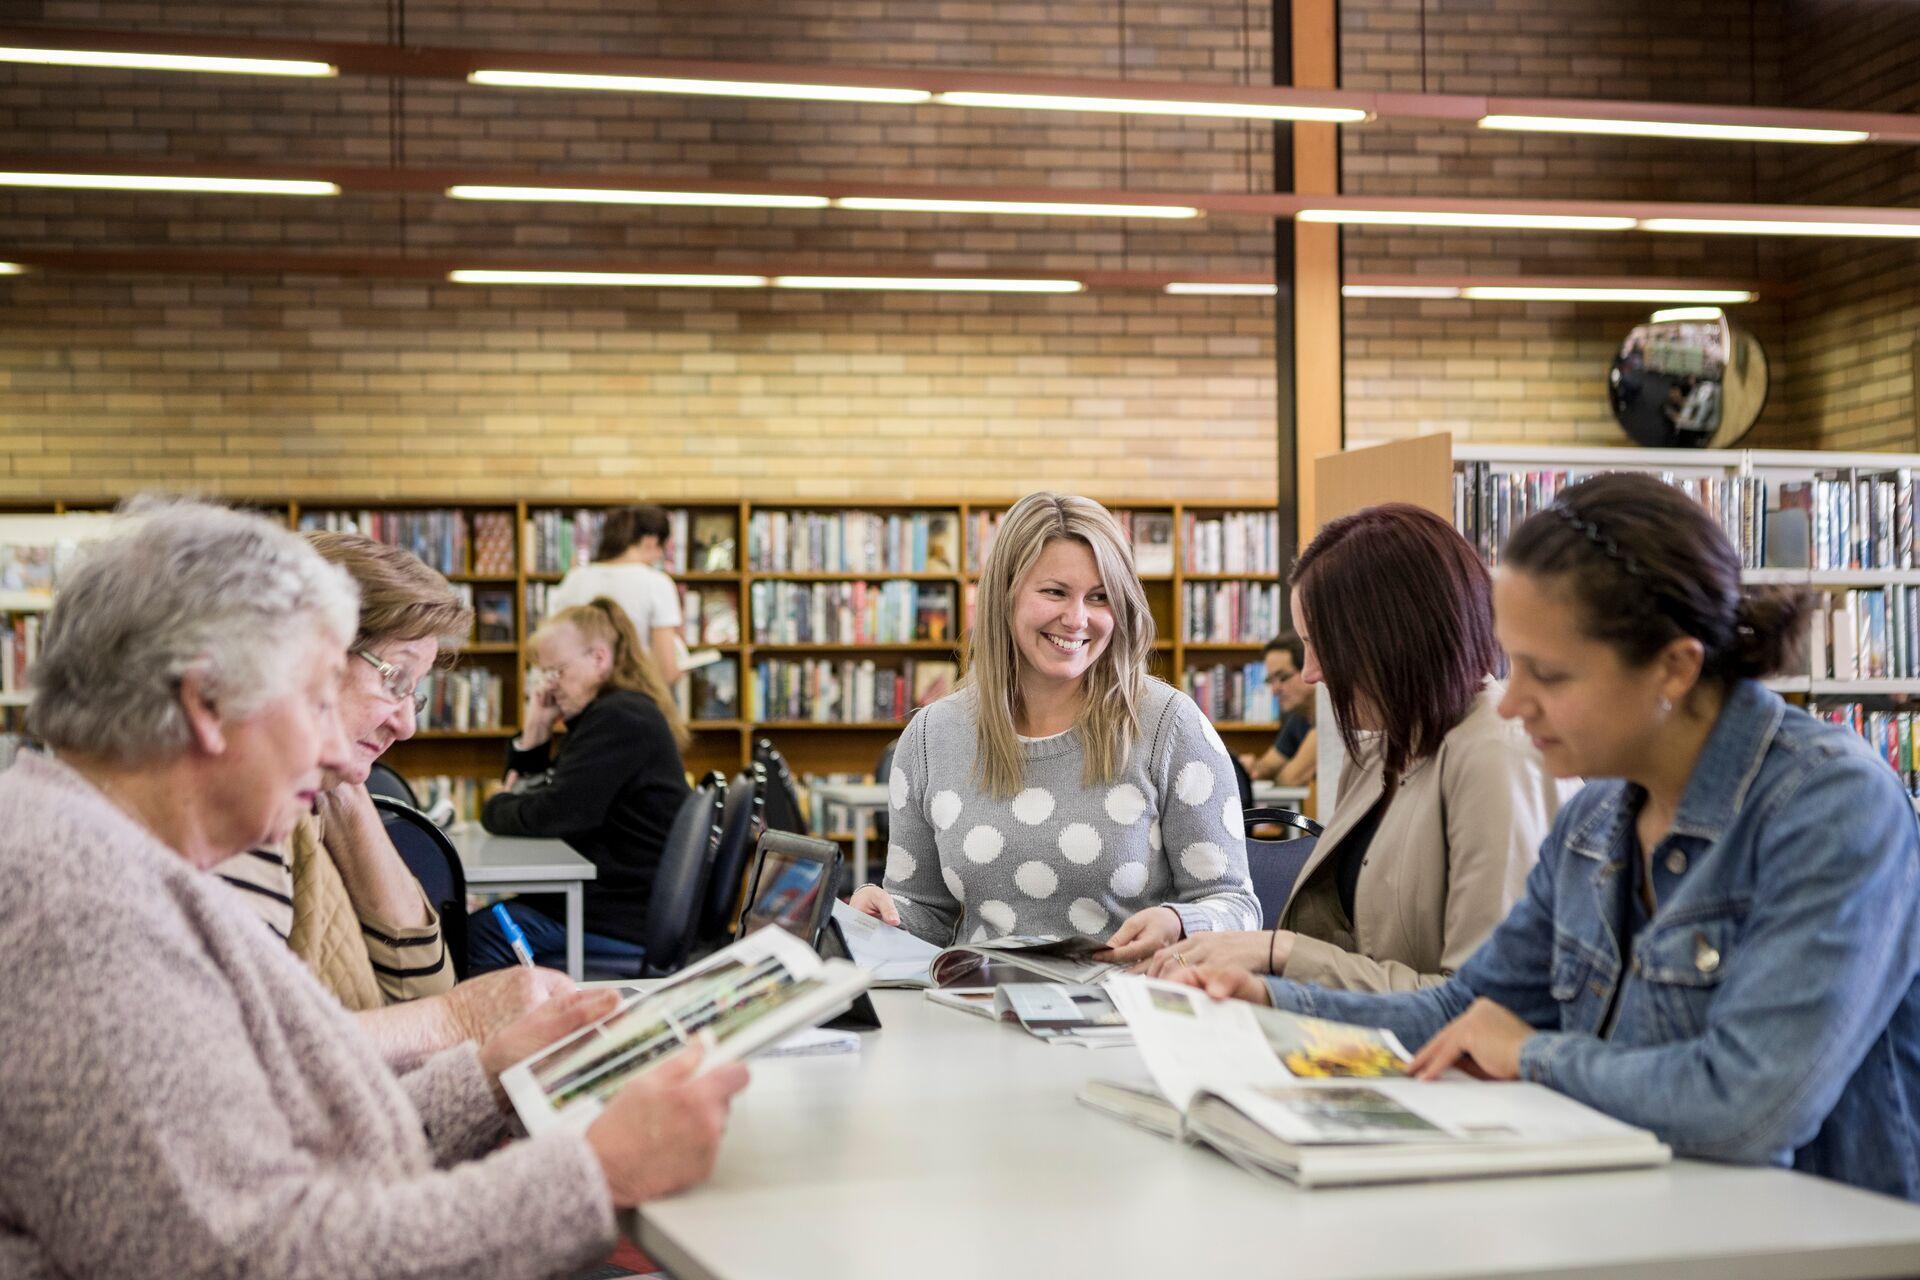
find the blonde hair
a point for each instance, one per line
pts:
(605, 622)
(1109, 717)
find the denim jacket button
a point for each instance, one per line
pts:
(1676, 862)
(1706, 957)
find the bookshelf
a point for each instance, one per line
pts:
(506, 555)
(1839, 523)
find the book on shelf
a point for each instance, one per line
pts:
(709, 614)
(711, 690)
(1234, 542)
(1870, 633)
(493, 616)
(463, 700)
(493, 544)
(844, 690)
(1863, 521)
(711, 544)
(1230, 612)
(558, 540)
(19, 646)
(981, 526)
(856, 612)
(1893, 734)
(1238, 693)
(449, 798)
(853, 542)
(440, 538)
(1489, 504)
(737, 1001)
(1339, 1108)
(1151, 534)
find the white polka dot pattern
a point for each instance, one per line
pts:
(945, 810)
(1230, 815)
(1128, 879)
(897, 788)
(1194, 784)
(1212, 736)
(1033, 806)
(900, 864)
(954, 885)
(997, 915)
(1125, 804)
(1154, 838)
(1087, 916)
(1079, 843)
(1204, 860)
(983, 844)
(1037, 879)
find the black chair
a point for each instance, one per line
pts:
(385, 781)
(741, 822)
(883, 774)
(679, 885)
(1243, 780)
(782, 810)
(1275, 864)
(436, 865)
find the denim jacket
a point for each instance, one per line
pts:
(1769, 1011)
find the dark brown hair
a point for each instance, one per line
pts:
(1645, 565)
(625, 526)
(1289, 643)
(1400, 613)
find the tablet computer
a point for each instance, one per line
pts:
(792, 888)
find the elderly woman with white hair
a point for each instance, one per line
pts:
(182, 1097)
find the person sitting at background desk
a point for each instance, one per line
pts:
(1062, 791)
(337, 891)
(1292, 760)
(1721, 942)
(1442, 804)
(612, 794)
(182, 1096)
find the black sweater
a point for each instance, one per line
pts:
(614, 792)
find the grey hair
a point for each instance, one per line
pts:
(178, 587)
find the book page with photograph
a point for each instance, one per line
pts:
(1056, 959)
(734, 1002)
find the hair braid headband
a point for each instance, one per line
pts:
(1599, 538)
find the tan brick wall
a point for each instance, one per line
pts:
(1536, 372)
(337, 387)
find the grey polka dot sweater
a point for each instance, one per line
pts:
(1060, 857)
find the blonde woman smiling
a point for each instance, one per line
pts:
(1061, 790)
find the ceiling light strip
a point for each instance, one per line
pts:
(1702, 130)
(639, 279)
(1222, 289)
(170, 182)
(1559, 293)
(1047, 208)
(1782, 227)
(127, 60)
(1462, 218)
(604, 195)
(1153, 106)
(508, 78)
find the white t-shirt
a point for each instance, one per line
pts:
(648, 595)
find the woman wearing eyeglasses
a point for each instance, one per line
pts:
(338, 891)
(612, 793)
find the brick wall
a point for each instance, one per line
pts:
(1536, 372)
(328, 386)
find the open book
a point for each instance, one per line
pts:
(1066, 960)
(736, 1001)
(1323, 1104)
(891, 956)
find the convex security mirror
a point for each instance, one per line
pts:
(1688, 378)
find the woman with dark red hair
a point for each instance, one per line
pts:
(1442, 804)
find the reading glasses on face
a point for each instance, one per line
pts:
(394, 683)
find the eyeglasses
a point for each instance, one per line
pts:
(1279, 678)
(394, 683)
(547, 675)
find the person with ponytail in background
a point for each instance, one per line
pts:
(612, 793)
(1721, 939)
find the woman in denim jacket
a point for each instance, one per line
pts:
(1721, 940)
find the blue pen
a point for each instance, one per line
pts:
(515, 939)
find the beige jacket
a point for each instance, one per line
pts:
(1451, 855)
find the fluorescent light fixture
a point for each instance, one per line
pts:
(1222, 289)
(166, 62)
(653, 279)
(890, 204)
(603, 195)
(1154, 107)
(1776, 227)
(719, 88)
(928, 283)
(1399, 291)
(1673, 129)
(1550, 293)
(1687, 313)
(137, 182)
(10, 268)
(1427, 218)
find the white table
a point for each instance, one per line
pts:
(516, 864)
(1271, 795)
(952, 1147)
(864, 799)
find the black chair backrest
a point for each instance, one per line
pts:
(679, 885)
(1243, 780)
(740, 825)
(883, 774)
(783, 811)
(1275, 864)
(436, 865)
(386, 781)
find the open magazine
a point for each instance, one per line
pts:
(736, 1001)
(1323, 1103)
(1054, 959)
(891, 956)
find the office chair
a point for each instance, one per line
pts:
(386, 781)
(1274, 865)
(436, 865)
(679, 885)
(741, 822)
